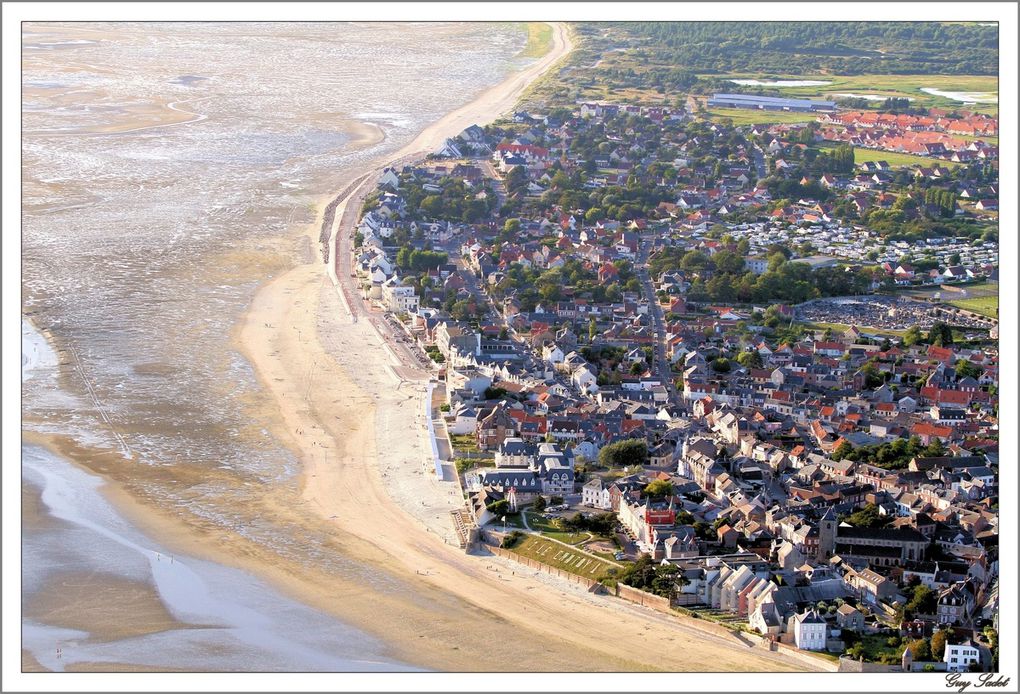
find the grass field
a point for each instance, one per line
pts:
(988, 139)
(985, 305)
(972, 291)
(539, 40)
(893, 158)
(890, 86)
(745, 116)
(464, 442)
(557, 555)
(878, 650)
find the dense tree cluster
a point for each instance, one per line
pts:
(455, 202)
(894, 455)
(627, 453)
(845, 48)
(868, 517)
(597, 523)
(417, 260)
(653, 578)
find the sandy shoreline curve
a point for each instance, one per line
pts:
(349, 411)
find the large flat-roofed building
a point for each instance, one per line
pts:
(817, 262)
(769, 103)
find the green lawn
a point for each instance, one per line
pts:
(464, 442)
(990, 139)
(569, 538)
(746, 116)
(539, 40)
(985, 305)
(513, 520)
(862, 155)
(978, 289)
(981, 289)
(557, 555)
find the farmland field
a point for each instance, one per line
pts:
(908, 86)
(746, 116)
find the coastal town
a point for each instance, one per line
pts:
(629, 351)
(739, 374)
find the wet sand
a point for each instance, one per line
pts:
(105, 605)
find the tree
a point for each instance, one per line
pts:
(516, 179)
(856, 651)
(872, 376)
(924, 601)
(940, 335)
(938, 645)
(912, 336)
(721, 365)
(511, 539)
(659, 489)
(654, 578)
(867, 517)
(627, 453)
(695, 260)
(539, 504)
(498, 508)
(842, 451)
(920, 648)
(965, 368)
(750, 360)
(511, 228)
(729, 262)
(935, 449)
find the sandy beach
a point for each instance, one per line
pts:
(336, 396)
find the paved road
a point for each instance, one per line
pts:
(415, 365)
(759, 161)
(661, 366)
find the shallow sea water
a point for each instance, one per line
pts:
(162, 164)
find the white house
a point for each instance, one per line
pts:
(390, 178)
(552, 354)
(584, 379)
(398, 297)
(809, 631)
(958, 657)
(463, 420)
(595, 494)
